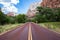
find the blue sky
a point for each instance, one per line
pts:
(21, 6)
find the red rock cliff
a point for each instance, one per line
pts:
(50, 3)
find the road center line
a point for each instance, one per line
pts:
(30, 33)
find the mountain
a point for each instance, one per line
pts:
(51, 3)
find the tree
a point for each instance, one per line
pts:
(45, 14)
(2, 18)
(21, 18)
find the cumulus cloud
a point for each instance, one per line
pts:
(14, 1)
(8, 5)
(9, 9)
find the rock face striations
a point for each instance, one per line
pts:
(32, 10)
(51, 3)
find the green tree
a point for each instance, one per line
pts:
(45, 14)
(21, 18)
(2, 18)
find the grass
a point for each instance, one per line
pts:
(4, 28)
(52, 25)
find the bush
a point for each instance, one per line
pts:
(47, 14)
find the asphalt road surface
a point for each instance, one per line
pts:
(40, 33)
(30, 31)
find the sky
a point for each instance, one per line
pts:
(17, 6)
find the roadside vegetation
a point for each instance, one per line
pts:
(43, 14)
(10, 22)
(51, 25)
(47, 15)
(4, 19)
(7, 27)
(48, 18)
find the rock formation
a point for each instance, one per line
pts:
(51, 3)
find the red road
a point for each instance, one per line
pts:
(18, 34)
(38, 33)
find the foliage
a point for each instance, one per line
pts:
(21, 18)
(51, 25)
(47, 14)
(7, 27)
(2, 18)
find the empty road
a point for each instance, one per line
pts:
(30, 31)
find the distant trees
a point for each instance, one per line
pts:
(47, 14)
(42, 15)
(4, 19)
(21, 18)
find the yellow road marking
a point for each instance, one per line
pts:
(29, 33)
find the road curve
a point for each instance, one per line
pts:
(40, 33)
(17, 34)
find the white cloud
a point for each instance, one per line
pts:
(14, 1)
(9, 9)
(9, 1)
(8, 5)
